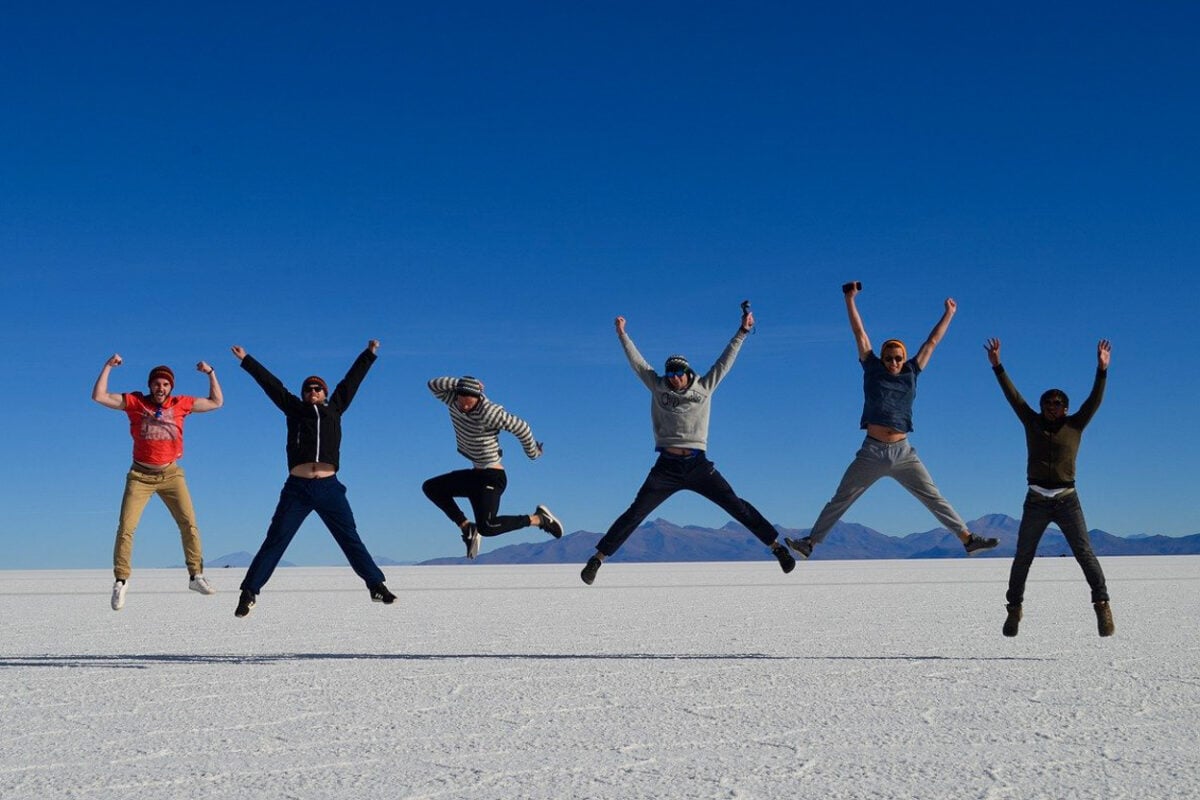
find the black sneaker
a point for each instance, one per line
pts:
(470, 537)
(590, 569)
(802, 547)
(786, 562)
(245, 603)
(550, 523)
(1014, 620)
(381, 594)
(1104, 620)
(977, 544)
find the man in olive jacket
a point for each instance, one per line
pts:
(1052, 437)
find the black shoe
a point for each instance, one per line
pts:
(1014, 620)
(470, 537)
(802, 547)
(1104, 620)
(380, 594)
(785, 558)
(550, 523)
(590, 569)
(977, 544)
(245, 603)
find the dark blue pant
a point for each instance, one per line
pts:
(299, 498)
(483, 488)
(671, 474)
(1065, 512)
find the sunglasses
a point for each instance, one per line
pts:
(314, 388)
(1054, 403)
(678, 374)
(893, 359)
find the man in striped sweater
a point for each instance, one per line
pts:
(679, 409)
(477, 424)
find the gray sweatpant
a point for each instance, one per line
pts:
(875, 460)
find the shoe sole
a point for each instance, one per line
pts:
(550, 521)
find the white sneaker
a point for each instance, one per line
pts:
(118, 595)
(200, 584)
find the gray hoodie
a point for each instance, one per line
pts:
(681, 418)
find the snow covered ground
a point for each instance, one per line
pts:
(873, 679)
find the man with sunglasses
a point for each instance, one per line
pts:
(1052, 438)
(680, 402)
(314, 438)
(156, 425)
(889, 388)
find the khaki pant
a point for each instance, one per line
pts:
(172, 488)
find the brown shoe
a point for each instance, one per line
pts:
(1014, 620)
(1104, 620)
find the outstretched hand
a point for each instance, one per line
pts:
(373, 346)
(238, 351)
(1103, 353)
(993, 350)
(748, 321)
(114, 360)
(951, 306)
(619, 322)
(202, 366)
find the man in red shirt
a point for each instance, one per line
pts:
(156, 425)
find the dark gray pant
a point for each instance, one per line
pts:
(875, 460)
(1065, 512)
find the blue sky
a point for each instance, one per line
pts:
(484, 187)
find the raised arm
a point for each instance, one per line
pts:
(644, 371)
(936, 334)
(215, 399)
(1089, 406)
(861, 340)
(717, 372)
(1024, 412)
(347, 387)
(100, 392)
(274, 388)
(443, 388)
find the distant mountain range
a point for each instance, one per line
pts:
(661, 540)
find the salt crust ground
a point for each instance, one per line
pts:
(842, 680)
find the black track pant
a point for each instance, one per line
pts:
(482, 487)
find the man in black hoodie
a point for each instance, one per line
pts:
(314, 437)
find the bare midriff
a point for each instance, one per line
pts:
(885, 434)
(314, 469)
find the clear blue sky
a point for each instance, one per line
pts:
(483, 187)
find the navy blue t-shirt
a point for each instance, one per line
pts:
(887, 398)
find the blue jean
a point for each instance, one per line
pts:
(299, 498)
(875, 460)
(1065, 512)
(671, 474)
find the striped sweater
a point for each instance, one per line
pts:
(478, 433)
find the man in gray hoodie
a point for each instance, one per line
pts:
(679, 409)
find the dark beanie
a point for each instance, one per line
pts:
(317, 379)
(678, 363)
(161, 371)
(469, 386)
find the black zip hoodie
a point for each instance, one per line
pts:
(314, 432)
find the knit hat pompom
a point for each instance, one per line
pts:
(161, 371)
(469, 386)
(677, 363)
